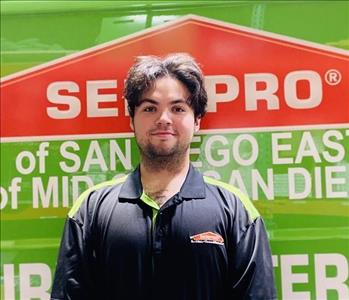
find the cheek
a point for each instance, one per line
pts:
(186, 126)
(138, 122)
(142, 126)
(139, 129)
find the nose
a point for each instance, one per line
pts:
(164, 118)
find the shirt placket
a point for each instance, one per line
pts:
(161, 234)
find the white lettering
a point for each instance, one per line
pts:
(4, 197)
(253, 152)
(195, 151)
(232, 90)
(41, 154)
(222, 157)
(65, 191)
(25, 156)
(334, 146)
(338, 282)
(115, 151)
(54, 96)
(9, 281)
(45, 197)
(332, 181)
(94, 98)
(288, 278)
(307, 148)
(277, 148)
(94, 150)
(27, 291)
(253, 94)
(299, 189)
(70, 156)
(318, 183)
(315, 89)
(14, 189)
(258, 181)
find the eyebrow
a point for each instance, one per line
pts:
(155, 102)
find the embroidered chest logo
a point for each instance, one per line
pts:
(207, 237)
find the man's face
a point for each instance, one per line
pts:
(163, 122)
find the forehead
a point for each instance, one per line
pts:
(166, 88)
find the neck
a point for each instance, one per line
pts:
(161, 179)
(171, 164)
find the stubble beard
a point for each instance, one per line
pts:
(156, 158)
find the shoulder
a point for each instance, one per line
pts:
(93, 195)
(232, 194)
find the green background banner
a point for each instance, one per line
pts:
(304, 219)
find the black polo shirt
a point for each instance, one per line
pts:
(206, 242)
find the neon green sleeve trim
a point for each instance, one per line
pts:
(83, 196)
(149, 201)
(252, 211)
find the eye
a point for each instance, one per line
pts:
(178, 109)
(149, 109)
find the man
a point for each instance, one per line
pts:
(164, 231)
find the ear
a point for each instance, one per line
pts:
(131, 124)
(197, 124)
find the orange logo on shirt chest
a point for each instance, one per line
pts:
(207, 237)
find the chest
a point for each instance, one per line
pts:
(188, 228)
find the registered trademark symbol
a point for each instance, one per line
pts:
(333, 77)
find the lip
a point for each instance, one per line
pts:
(162, 133)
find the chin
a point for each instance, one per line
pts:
(156, 150)
(164, 152)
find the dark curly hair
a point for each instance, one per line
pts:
(180, 66)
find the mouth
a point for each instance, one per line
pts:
(163, 133)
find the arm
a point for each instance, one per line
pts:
(73, 277)
(252, 266)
